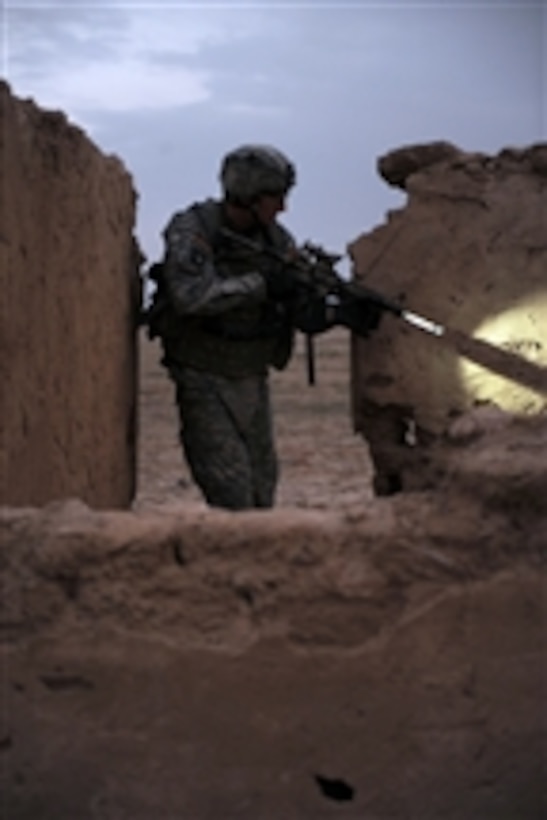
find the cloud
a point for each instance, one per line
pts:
(169, 88)
(114, 58)
(122, 86)
(247, 109)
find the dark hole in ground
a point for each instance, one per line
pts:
(334, 788)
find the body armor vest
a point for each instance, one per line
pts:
(239, 342)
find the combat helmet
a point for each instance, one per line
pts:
(252, 170)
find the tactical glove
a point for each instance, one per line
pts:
(280, 280)
(359, 315)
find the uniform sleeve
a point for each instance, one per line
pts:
(193, 282)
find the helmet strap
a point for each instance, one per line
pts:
(243, 217)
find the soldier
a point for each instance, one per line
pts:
(225, 316)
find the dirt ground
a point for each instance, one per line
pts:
(344, 656)
(324, 464)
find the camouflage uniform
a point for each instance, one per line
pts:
(226, 435)
(221, 334)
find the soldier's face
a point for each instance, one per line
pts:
(268, 206)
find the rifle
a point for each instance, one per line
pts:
(315, 270)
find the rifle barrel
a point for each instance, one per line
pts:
(352, 288)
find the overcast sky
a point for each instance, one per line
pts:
(169, 87)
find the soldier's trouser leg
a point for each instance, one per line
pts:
(226, 435)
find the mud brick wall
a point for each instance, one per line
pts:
(69, 287)
(469, 251)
